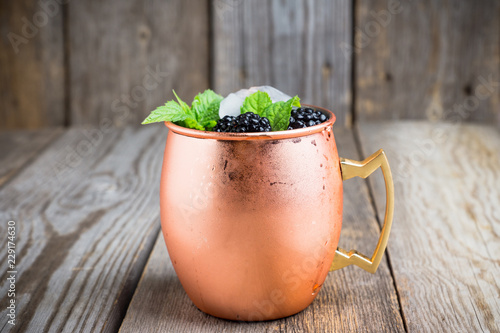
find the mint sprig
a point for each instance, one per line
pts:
(202, 115)
(278, 113)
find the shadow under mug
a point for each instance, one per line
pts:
(243, 213)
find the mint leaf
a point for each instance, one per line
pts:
(202, 102)
(279, 113)
(192, 123)
(205, 106)
(171, 111)
(211, 115)
(256, 103)
(209, 125)
(275, 113)
(295, 101)
(177, 112)
(183, 105)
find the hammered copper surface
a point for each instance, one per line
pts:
(252, 221)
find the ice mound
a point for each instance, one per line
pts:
(232, 103)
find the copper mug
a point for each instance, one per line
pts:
(239, 211)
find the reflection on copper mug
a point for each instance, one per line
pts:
(252, 220)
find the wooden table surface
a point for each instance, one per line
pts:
(90, 256)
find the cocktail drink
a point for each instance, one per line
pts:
(243, 212)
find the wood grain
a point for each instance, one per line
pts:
(445, 243)
(87, 215)
(350, 300)
(115, 45)
(291, 45)
(18, 148)
(31, 65)
(428, 60)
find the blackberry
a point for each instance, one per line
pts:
(224, 124)
(243, 123)
(305, 117)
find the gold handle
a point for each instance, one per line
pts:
(363, 169)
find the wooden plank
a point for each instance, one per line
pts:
(115, 46)
(428, 60)
(445, 243)
(291, 45)
(20, 147)
(31, 64)
(87, 216)
(350, 300)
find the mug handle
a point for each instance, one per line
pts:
(350, 169)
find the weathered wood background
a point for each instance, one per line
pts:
(111, 62)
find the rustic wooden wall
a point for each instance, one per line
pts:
(90, 62)
(427, 60)
(292, 45)
(32, 73)
(115, 46)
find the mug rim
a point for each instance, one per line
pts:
(257, 135)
